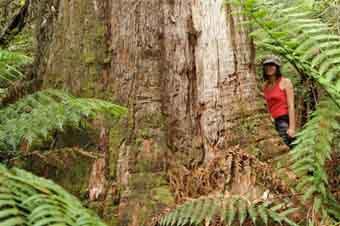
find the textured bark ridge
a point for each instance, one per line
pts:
(183, 68)
(72, 47)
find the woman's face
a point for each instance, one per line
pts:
(270, 69)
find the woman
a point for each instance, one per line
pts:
(279, 95)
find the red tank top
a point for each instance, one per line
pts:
(276, 99)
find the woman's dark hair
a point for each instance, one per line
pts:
(277, 75)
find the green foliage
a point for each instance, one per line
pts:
(329, 10)
(29, 123)
(34, 118)
(301, 38)
(297, 34)
(10, 63)
(26, 199)
(230, 210)
(313, 150)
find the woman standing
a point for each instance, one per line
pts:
(279, 95)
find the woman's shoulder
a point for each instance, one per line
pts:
(285, 82)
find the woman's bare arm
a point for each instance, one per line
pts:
(288, 86)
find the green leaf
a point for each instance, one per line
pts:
(9, 202)
(306, 180)
(4, 213)
(249, 3)
(185, 213)
(242, 210)
(260, 13)
(231, 212)
(310, 191)
(51, 220)
(263, 213)
(207, 207)
(197, 211)
(278, 35)
(35, 119)
(278, 207)
(290, 222)
(30, 200)
(317, 203)
(13, 221)
(174, 217)
(288, 211)
(212, 210)
(252, 213)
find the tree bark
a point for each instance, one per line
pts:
(185, 69)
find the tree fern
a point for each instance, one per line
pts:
(313, 150)
(26, 199)
(35, 117)
(282, 25)
(295, 33)
(229, 210)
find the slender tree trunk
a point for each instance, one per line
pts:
(185, 69)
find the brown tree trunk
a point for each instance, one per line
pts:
(185, 70)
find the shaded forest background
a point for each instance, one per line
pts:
(135, 107)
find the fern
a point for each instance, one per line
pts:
(309, 45)
(300, 37)
(230, 210)
(26, 199)
(313, 150)
(35, 117)
(10, 63)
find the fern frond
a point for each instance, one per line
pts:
(26, 199)
(323, 56)
(312, 29)
(35, 117)
(311, 64)
(228, 209)
(314, 41)
(10, 62)
(327, 65)
(314, 148)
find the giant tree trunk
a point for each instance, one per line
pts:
(185, 70)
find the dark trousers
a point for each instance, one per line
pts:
(281, 125)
